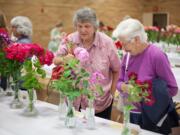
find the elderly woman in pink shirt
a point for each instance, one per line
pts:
(102, 57)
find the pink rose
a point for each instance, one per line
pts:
(81, 54)
(96, 77)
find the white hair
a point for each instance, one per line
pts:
(23, 25)
(130, 28)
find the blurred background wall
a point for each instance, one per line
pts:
(44, 14)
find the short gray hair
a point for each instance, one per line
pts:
(129, 29)
(23, 25)
(85, 15)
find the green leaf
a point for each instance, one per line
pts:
(41, 72)
(85, 83)
(67, 73)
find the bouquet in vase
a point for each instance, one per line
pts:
(22, 68)
(138, 91)
(74, 80)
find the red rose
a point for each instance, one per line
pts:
(118, 44)
(132, 76)
(151, 101)
(148, 83)
(109, 28)
(139, 83)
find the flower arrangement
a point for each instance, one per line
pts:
(19, 57)
(171, 35)
(4, 43)
(4, 35)
(16, 58)
(140, 91)
(152, 33)
(75, 81)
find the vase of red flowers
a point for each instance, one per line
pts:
(138, 91)
(24, 70)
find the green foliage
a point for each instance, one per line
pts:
(8, 67)
(171, 39)
(69, 83)
(152, 35)
(32, 70)
(135, 91)
(74, 81)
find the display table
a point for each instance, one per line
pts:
(176, 71)
(12, 122)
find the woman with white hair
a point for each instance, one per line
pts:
(22, 29)
(102, 57)
(149, 63)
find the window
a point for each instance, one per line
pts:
(156, 19)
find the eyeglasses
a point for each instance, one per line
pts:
(126, 42)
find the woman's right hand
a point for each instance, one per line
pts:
(68, 57)
(125, 87)
(61, 59)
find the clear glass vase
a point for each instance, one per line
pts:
(16, 103)
(70, 120)
(62, 106)
(126, 113)
(9, 90)
(30, 109)
(90, 115)
(1, 92)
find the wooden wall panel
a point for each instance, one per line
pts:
(44, 14)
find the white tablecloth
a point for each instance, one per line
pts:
(12, 122)
(174, 58)
(176, 71)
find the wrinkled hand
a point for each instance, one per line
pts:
(60, 60)
(68, 57)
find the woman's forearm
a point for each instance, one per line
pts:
(114, 82)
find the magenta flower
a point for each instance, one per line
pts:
(4, 35)
(81, 54)
(46, 58)
(132, 76)
(21, 52)
(96, 77)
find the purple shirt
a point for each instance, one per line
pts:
(103, 58)
(150, 64)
